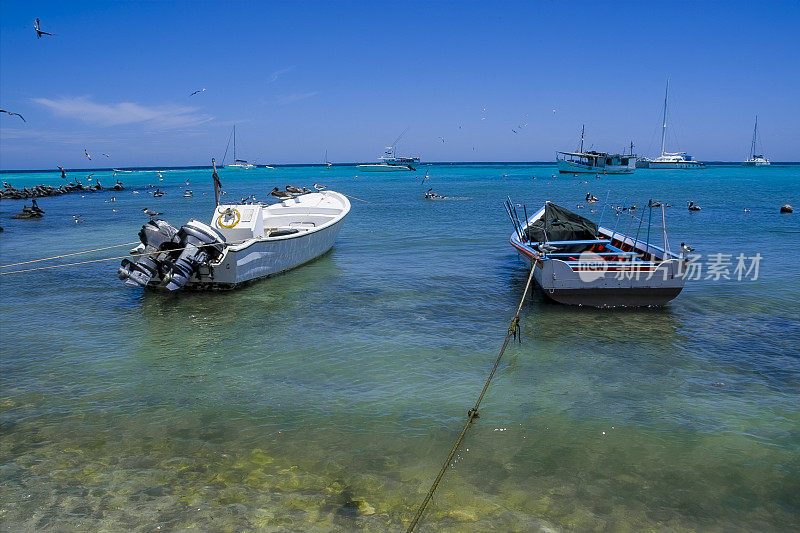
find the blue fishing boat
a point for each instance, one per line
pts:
(578, 262)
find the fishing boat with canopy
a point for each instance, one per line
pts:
(578, 262)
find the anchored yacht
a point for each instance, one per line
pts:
(591, 162)
(755, 160)
(669, 160)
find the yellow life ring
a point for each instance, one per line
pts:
(237, 217)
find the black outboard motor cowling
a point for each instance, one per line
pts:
(158, 238)
(201, 244)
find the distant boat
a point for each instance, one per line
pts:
(328, 164)
(592, 162)
(671, 160)
(239, 163)
(391, 163)
(755, 160)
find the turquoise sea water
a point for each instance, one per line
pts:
(326, 398)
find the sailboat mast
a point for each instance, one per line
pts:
(664, 121)
(583, 127)
(234, 143)
(753, 144)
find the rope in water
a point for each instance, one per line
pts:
(68, 255)
(111, 258)
(473, 413)
(359, 199)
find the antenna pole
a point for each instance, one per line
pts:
(217, 183)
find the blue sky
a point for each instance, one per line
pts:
(302, 77)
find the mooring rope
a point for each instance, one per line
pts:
(473, 413)
(359, 199)
(119, 257)
(68, 255)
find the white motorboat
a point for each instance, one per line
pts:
(755, 160)
(592, 162)
(242, 243)
(391, 163)
(671, 160)
(578, 262)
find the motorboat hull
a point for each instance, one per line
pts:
(265, 258)
(675, 164)
(383, 168)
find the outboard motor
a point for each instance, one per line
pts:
(201, 244)
(158, 238)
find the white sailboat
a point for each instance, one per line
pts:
(671, 160)
(239, 163)
(328, 164)
(755, 160)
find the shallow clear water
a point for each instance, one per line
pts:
(326, 398)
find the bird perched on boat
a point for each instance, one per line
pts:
(87, 154)
(283, 195)
(548, 248)
(150, 213)
(198, 91)
(294, 190)
(686, 249)
(39, 32)
(13, 114)
(319, 187)
(693, 207)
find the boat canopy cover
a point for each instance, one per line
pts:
(560, 224)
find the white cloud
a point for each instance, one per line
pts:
(278, 73)
(163, 116)
(294, 97)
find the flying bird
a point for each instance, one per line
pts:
(12, 114)
(87, 154)
(39, 32)
(106, 155)
(441, 139)
(515, 131)
(198, 91)
(150, 213)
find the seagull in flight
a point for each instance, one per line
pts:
(441, 139)
(106, 155)
(198, 91)
(12, 114)
(150, 213)
(39, 32)
(87, 154)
